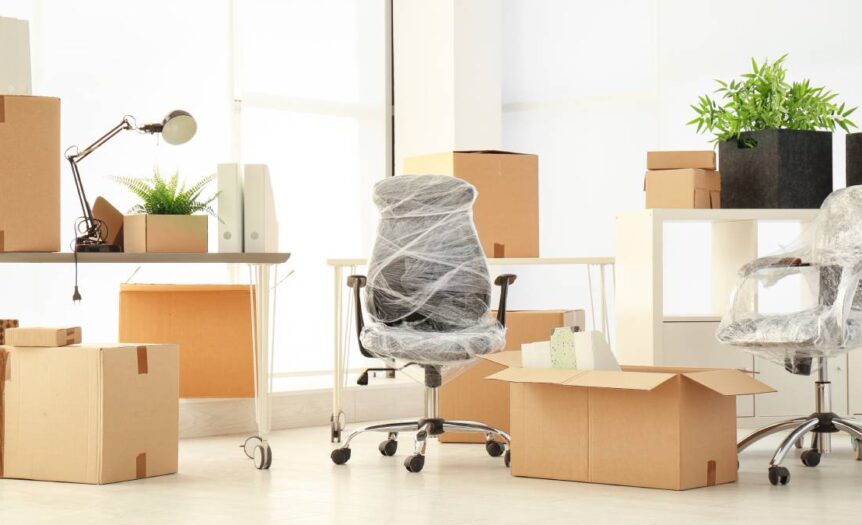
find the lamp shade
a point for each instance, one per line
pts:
(178, 127)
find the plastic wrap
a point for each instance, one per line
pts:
(828, 260)
(428, 292)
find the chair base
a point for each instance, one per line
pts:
(428, 427)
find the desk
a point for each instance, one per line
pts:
(343, 334)
(263, 274)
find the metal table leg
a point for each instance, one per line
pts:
(337, 420)
(263, 343)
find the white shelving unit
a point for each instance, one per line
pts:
(646, 334)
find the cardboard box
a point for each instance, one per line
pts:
(211, 324)
(165, 233)
(506, 211)
(89, 414)
(46, 337)
(684, 188)
(468, 396)
(672, 160)
(669, 428)
(29, 174)
(6, 324)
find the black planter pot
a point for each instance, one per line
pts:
(853, 167)
(785, 169)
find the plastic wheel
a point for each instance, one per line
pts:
(810, 457)
(251, 444)
(779, 475)
(507, 459)
(495, 449)
(340, 456)
(388, 447)
(414, 463)
(262, 457)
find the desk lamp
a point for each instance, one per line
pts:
(178, 127)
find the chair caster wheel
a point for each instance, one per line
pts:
(388, 447)
(507, 458)
(779, 475)
(857, 448)
(414, 463)
(810, 458)
(262, 457)
(251, 444)
(495, 449)
(340, 456)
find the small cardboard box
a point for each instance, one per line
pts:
(38, 336)
(6, 324)
(165, 233)
(673, 160)
(29, 174)
(506, 211)
(668, 428)
(90, 413)
(683, 188)
(211, 324)
(468, 396)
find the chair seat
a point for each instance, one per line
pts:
(433, 348)
(809, 329)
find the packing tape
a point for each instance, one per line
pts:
(143, 366)
(710, 473)
(2, 240)
(70, 336)
(499, 250)
(4, 359)
(141, 465)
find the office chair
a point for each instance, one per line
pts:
(427, 294)
(803, 341)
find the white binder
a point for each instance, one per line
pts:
(261, 225)
(14, 57)
(230, 235)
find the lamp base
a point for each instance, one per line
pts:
(95, 248)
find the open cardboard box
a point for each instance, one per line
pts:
(683, 188)
(658, 427)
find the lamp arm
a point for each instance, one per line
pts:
(92, 232)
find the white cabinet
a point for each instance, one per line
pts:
(854, 382)
(795, 393)
(692, 343)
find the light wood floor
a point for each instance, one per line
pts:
(460, 485)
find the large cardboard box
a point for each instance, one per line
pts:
(29, 174)
(89, 413)
(165, 233)
(212, 325)
(506, 211)
(683, 188)
(469, 396)
(669, 428)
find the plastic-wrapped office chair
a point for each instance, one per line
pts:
(831, 258)
(427, 293)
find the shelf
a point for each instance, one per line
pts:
(691, 318)
(144, 258)
(728, 215)
(514, 261)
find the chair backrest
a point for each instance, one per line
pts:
(427, 268)
(836, 240)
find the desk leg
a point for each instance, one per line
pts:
(337, 419)
(262, 311)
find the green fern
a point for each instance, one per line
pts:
(169, 197)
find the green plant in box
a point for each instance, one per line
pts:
(162, 196)
(763, 99)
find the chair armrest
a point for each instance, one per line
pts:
(356, 283)
(844, 296)
(763, 263)
(503, 281)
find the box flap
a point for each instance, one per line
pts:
(550, 376)
(729, 382)
(191, 288)
(490, 152)
(620, 380)
(510, 359)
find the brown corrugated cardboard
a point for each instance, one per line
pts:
(670, 428)
(6, 324)
(683, 188)
(506, 211)
(112, 219)
(672, 160)
(212, 325)
(90, 413)
(40, 336)
(468, 396)
(29, 174)
(165, 233)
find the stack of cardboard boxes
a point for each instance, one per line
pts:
(682, 179)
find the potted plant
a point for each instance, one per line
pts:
(853, 158)
(165, 220)
(774, 138)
